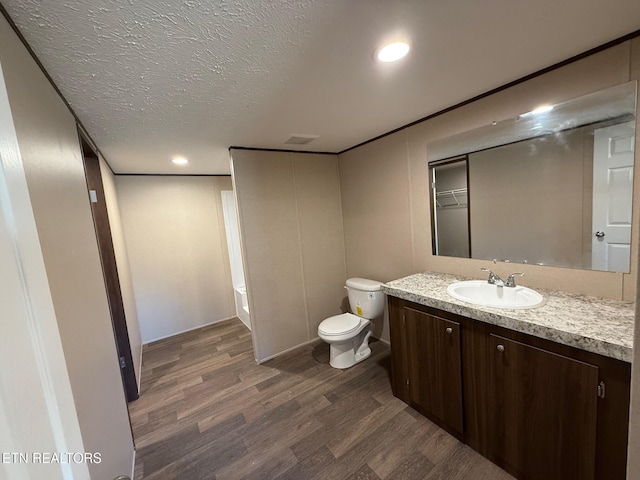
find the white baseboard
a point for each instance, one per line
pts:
(271, 357)
(133, 468)
(188, 330)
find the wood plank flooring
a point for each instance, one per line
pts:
(207, 411)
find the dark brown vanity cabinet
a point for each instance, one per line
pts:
(429, 366)
(540, 410)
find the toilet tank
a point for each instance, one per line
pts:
(365, 297)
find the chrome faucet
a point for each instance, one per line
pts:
(511, 281)
(496, 280)
(493, 278)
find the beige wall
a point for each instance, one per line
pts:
(174, 230)
(376, 205)
(402, 236)
(29, 330)
(385, 190)
(54, 170)
(289, 208)
(124, 270)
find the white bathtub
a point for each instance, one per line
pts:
(242, 305)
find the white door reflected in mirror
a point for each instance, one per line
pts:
(613, 154)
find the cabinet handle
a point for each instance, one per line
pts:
(501, 348)
(449, 330)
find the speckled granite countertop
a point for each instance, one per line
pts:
(589, 323)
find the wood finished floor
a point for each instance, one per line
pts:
(207, 411)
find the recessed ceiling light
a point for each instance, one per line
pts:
(392, 52)
(180, 161)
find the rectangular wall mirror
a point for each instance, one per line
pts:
(551, 187)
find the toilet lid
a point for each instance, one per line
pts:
(339, 324)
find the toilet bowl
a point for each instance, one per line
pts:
(348, 339)
(348, 334)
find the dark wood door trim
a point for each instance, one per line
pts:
(110, 271)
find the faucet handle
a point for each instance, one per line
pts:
(493, 278)
(511, 281)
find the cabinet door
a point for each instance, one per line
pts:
(434, 366)
(399, 360)
(542, 412)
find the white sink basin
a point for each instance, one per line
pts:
(480, 292)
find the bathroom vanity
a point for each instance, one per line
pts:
(543, 392)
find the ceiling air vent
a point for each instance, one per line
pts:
(300, 139)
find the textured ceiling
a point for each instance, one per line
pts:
(153, 79)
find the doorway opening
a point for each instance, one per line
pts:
(235, 256)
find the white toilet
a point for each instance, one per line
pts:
(348, 334)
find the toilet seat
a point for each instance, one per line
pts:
(339, 324)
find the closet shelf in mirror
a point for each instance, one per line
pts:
(457, 195)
